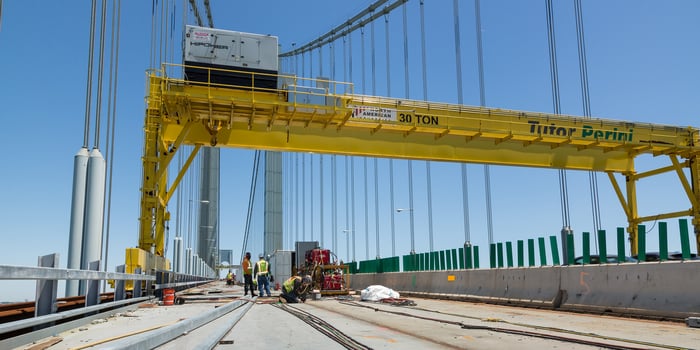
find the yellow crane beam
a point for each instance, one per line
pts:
(339, 122)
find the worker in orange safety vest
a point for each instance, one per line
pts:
(248, 275)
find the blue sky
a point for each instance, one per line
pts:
(642, 65)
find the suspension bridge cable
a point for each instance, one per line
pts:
(557, 110)
(111, 117)
(296, 197)
(352, 210)
(334, 203)
(364, 159)
(321, 179)
(410, 164)
(251, 201)
(482, 102)
(303, 195)
(100, 70)
(208, 10)
(195, 11)
(88, 92)
(311, 170)
(428, 179)
(376, 202)
(391, 160)
(586, 99)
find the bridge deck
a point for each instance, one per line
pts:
(428, 324)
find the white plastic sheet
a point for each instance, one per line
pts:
(377, 292)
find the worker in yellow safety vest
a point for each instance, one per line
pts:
(262, 273)
(248, 275)
(295, 288)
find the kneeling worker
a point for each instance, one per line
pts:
(295, 288)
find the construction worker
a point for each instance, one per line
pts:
(229, 278)
(295, 288)
(248, 275)
(262, 272)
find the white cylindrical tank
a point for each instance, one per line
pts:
(94, 209)
(77, 215)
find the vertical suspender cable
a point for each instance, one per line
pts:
(460, 101)
(347, 210)
(88, 93)
(563, 190)
(366, 210)
(362, 43)
(320, 61)
(296, 197)
(410, 164)
(321, 206)
(311, 170)
(334, 204)
(425, 98)
(112, 116)
(482, 102)
(374, 64)
(586, 99)
(391, 160)
(352, 206)
(376, 203)
(303, 195)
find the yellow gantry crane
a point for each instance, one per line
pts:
(333, 120)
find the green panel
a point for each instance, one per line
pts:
(432, 261)
(543, 251)
(663, 241)
(454, 259)
(442, 260)
(468, 257)
(521, 252)
(570, 253)
(437, 260)
(555, 250)
(406, 263)
(509, 253)
(621, 244)
(448, 258)
(531, 252)
(492, 256)
(586, 236)
(461, 258)
(476, 257)
(641, 243)
(602, 245)
(499, 251)
(685, 243)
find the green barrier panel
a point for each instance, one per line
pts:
(432, 261)
(442, 260)
(406, 266)
(454, 259)
(641, 243)
(468, 256)
(426, 261)
(620, 244)
(531, 252)
(586, 236)
(461, 258)
(448, 257)
(555, 250)
(492, 257)
(437, 260)
(602, 245)
(521, 250)
(499, 251)
(421, 262)
(543, 252)
(509, 253)
(570, 253)
(685, 243)
(476, 257)
(663, 242)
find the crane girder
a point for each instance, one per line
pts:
(183, 112)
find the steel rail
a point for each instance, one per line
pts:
(324, 327)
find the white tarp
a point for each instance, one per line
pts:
(377, 293)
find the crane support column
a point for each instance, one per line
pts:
(695, 179)
(632, 216)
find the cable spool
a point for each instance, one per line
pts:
(168, 296)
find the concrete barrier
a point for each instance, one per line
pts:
(668, 289)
